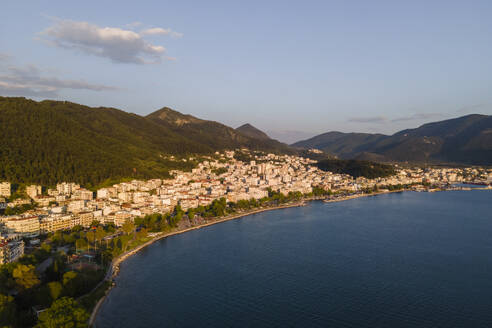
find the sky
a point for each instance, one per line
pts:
(291, 68)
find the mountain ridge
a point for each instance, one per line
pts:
(49, 141)
(461, 140)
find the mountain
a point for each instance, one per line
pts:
(343, 145)
(213, 134)
(252, 132)
(464, 140)
(52, 141)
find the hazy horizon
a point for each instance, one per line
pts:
(293, 71)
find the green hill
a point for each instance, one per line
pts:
(250, 131)
(343, 145)
(463, 140)
(213, 134)
(355, 168)
(52, 141)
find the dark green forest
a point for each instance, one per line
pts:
(356, 168)
(52, 141)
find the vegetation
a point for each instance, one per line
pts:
(63, 313)
(101, 146)
(20, 209)
(243, 156)
(214, 135)
(464, 140)
(70, 142)
(250, 131)
(370, 170)
(219, 171)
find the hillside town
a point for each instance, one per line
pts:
(222, 176)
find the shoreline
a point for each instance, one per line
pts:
(115, 264)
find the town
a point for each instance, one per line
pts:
(70, 205)
(61, 247)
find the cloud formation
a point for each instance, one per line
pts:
(29, 81)
(369, 119)
(161, 31)
(119, 45)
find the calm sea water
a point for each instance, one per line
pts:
(399, 260)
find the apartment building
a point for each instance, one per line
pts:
(11, 249)
(5, 189)
(25, 226)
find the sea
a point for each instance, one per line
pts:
(396, 260)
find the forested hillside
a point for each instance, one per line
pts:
(462, 140)
(355, 168)
(52, 141)
(213, 134)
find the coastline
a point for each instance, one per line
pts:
(115, 264)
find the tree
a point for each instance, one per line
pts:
(46, 247)
(71, 283)
(110, 227)
(7, 311)
(64, 313)
(25, 276)
(142, 233)
(100, 233)
(80, 244)
(128, 227)
(191, 214)
(55, 289)
(91, 237)
(68, 238)
(77, 228)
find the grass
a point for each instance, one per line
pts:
(135, 243)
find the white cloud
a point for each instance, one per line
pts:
(119, 45)
(161, 31)
(29, 81)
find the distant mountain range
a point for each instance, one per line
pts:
(51, 141)
(464, 140)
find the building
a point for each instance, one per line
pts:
(5, 189)
(66, 188)
(33, 191)
(59, 222)
(11, 249)
(82, 194)
(25, 226)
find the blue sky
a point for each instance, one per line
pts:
(291, 68)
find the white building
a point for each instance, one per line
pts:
(5, 189)
(33, 191)
(25, 226)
